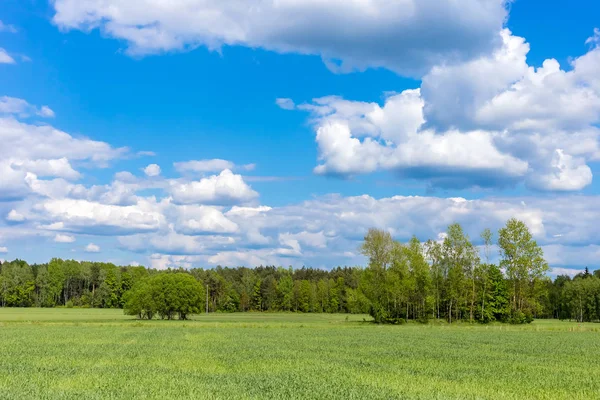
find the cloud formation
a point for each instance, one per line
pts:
(92, 248)
(152, 170)
(489, 122)
(224, 188)
(30, 151)
(406, 36)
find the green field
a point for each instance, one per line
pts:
(93, 354)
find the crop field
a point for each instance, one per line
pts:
(94, 354)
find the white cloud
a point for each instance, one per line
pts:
(214, 165)
(285, 103)
(59, 238)
(491, 121)
(47, 168)
(5, 58)
(46, 111)
(92, 248)
(226, 187)
(72, 215)
(20, 107)
(193, 220)
(356, 138)
(152, 170)
(3, 250)
(407, 36)
(15, 216)
(565, 173)
(44, 151)
(25, 141)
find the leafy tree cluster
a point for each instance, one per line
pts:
(66, 283)
(166, 295)
(103, 285)
(575, 299)
(448, 279)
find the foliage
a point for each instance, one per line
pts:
(166, 294)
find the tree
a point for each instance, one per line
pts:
(523, 261)
(304, 296)
(43, 295)
(498, 308)
(257, 296)
(461, 258)
(377, 246)
(483, 269)
(108, 291)
(286, 292)
(166, 294)
(433, 251)
(57, 279)
(17, 284)
(419, 269)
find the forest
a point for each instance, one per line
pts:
(450, 279)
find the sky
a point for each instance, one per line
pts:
(198, 133)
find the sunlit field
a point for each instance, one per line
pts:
(93, 354)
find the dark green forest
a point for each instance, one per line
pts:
(447, 279)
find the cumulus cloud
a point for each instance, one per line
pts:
(152, 170)
(226, 187)
(406, 36)
(59, 238)
(491, 121)
(3, 250)
(92, 248)
(15, 216)
(60, 168)
(84, 216)
(43, 151)
(197, 220)
(357, 138)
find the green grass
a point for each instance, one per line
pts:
(94, 354)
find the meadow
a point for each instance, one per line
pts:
(102, 354)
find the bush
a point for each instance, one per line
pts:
(521, 317)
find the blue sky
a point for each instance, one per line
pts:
(422, 114)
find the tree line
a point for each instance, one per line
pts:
(449, 279)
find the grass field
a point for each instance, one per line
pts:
(93, 354)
